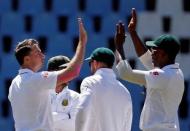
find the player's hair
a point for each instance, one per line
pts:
(108, 65)
(24, 48)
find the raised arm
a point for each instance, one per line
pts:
(139, 46)
(123, 69)
(119, 40)
(73, 68)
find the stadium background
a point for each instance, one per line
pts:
(54, 24)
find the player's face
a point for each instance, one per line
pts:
(36, 58)
(157, 57)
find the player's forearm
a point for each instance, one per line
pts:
(120, 50)
(139, 46)
(78, 59)
(73, 68)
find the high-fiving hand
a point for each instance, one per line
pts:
(119, 40)
(133, 22)
(82, 32)
(120, 35)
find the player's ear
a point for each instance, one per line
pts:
(95, 62)
(26, 59)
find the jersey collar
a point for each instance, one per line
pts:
(171, 66)
(23, 71)
(105, 71)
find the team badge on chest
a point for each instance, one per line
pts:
(65, 102)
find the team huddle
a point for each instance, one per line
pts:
(42, 101)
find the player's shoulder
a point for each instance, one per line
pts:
(157, 72)
(93, 77)
(73, 93)
(160, 74)
(89, 83)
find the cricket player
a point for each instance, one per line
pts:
(63, 103)
(105, 104)
(29, 90)
(164, 80)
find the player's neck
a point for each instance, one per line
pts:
(28, 67)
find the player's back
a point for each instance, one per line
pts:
(111, 103)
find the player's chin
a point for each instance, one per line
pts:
(155, 64)
(40, 65)
(42, 62)
(153, 61)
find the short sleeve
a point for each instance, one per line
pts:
(44, 79)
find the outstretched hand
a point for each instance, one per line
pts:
(120, 39)
(133, 22)
(82, 32)
(120, 35)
